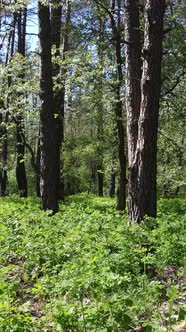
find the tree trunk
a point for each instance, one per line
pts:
(38, 167)
(100, 130)
(112, 181)
(143, 194)
(20, 132)
(48, 140)
(118, 108)
(133, 89)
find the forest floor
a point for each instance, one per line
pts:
(85, 269)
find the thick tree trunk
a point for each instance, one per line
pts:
(59, 76)
(143, 194)
(133, 89)
(48, 141)
(20, 133)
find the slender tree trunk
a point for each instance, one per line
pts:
(20, 131)
(143, 167)
(38, 167)
(48, 139)
(100, 130)
(112, 179)
(5, 118)
(118, 108)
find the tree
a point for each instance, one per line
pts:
(48, 139)
(19, 118)
(59, 72)
(143, 165)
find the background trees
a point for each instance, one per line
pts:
(84, 60)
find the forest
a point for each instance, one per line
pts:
(92, 165)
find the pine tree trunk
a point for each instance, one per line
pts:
(48, 140)
(20, 132)
(133, 90)
(143, 194)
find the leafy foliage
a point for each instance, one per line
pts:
(85, 269)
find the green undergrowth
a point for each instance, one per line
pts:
(85, 269)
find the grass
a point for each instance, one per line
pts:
(85, 270)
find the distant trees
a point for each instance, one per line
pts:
(94, 57)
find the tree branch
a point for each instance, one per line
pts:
(175, 84)
(105, 8)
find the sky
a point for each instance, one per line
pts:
(32, 25)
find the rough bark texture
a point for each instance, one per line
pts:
(143, 194)
(133, 74)
(133, 89)
(20, 132)
(48, 163)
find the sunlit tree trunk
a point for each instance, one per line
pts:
(133, 40)
(142, 192)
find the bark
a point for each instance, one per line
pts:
(59, 75)
(48, 139)
(133, 89)
(20, 132)
(112, 183)
(143, 194)
(100, 129)
(38, 167)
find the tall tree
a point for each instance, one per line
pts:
(48, 139)
(142, 192)
(5, 114)
(59, 37)
(19, 119)
(100, 107)
(133, 91)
